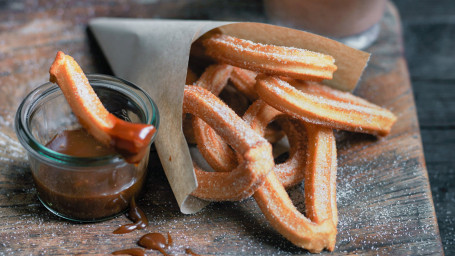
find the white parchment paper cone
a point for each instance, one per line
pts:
(154, 55)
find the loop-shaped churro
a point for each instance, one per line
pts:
(281, 213)
(215, 151)
(270, 59)
(255, 151)
(317, 167)
(335, 112)
(258, 116)
(291, 172)
(214, 79)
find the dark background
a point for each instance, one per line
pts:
(429, 40)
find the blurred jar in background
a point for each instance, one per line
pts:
(353, 22)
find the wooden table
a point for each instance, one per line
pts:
(384, 198)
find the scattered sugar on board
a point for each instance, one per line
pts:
(373, 208)
(11, 148)
(374, 220)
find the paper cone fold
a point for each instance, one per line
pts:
(154, 55)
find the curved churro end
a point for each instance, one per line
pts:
(317, 232)
(215, 78)
(130, 140)
(281, 213)
(336, 111)
(320, 176)
(316, 143)
(215, 151)
(257, 160)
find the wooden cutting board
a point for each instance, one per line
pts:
(384, 199)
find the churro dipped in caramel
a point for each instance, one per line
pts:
(131, 140)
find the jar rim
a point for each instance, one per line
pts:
(33, 146)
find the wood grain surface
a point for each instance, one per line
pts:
(429, 33)
(384, 198)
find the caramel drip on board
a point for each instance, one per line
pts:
(155, 241)
(190, 252)
(131, 251)
(136, 215)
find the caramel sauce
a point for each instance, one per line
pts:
(190, 252)
(91, 193)
(155, 241)
(170, 242)
(131, 140)
(93, 204)
(138, 217)
(132, 252)
(78, 143)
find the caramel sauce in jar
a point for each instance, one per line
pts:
(87, 193)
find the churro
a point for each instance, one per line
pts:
(270, 59)
(329, 112)
(131, 140)
(256, 152)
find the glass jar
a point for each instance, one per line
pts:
(352, 22)
(83, 189)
